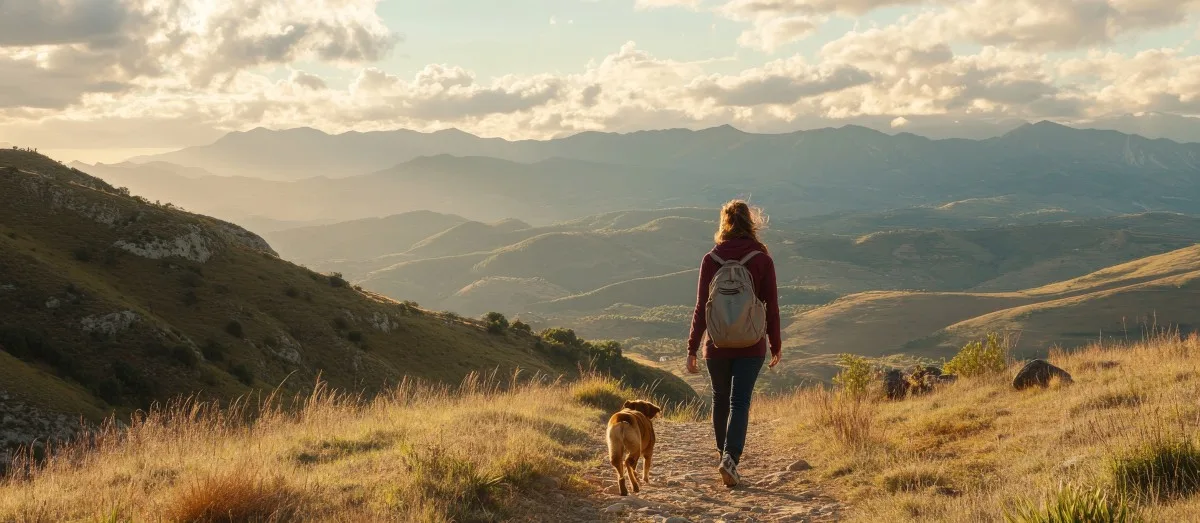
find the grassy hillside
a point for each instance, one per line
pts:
(476, 452)
(1122, 435)
(111, 302)
(1122, 301)
(360, 239)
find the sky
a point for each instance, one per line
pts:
(144, 75)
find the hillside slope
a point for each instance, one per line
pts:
(1126, 300)
(110, 302)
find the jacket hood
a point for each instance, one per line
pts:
(736, 248)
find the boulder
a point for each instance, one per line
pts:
(895, 387)
(1039, 373)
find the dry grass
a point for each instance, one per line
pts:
(417, 453)
(975, 449)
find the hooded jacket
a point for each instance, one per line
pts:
(762, 269)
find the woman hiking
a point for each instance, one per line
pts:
(737, 312)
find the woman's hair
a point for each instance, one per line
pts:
(740, 220)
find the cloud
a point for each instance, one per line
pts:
(642, 5)
(779, 83)
(310, 81)
(51, 22)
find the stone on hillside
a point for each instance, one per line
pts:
(192, 246)
(109, 323)
(895, 387)
(1039, 373)
(798, 466)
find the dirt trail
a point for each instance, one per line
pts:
(685, 487)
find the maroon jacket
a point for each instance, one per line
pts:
(762, 268)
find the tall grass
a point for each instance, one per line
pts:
(416, 453)
(1124, 434)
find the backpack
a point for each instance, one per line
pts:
(736, 317)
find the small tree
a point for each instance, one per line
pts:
(496, 322)
(855, 376)
(234, 328)
(521, 326)
(980, 357)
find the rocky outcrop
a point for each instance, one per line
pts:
(237, 235)
(58, 197)
(192, 246)
(22, 424)
(895, 387)
(1039, 373)
(109, 324)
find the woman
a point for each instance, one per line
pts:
(734, 370)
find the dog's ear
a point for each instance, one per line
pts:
(652, 410)
(629, 404)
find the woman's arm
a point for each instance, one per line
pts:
(699, 320)
(770, 294)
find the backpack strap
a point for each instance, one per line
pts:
(747, 257)
(716, 258)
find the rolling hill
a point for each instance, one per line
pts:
(1126, 300)
(109, 303)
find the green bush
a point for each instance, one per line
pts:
(190, 298)
(291, 292)
(979, 358)
(185, 356)
(213, 351)
(340, 323)
(82, 254)
(242, 373)
(234, 328)
(496, 322)
(855, 376)
(521, 326)
(355, 336)
(1163, 468)
(336, 280)
(1075, 505)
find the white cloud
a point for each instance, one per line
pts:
(643, 5)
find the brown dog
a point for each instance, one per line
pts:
(631, 437)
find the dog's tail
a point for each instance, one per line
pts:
(623, 439)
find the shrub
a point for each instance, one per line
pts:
(598, 392)
(521, 326)
(1072, 504)
(1163, 468)
(559, 335)
(336, 280)
(82, 254)
(340, 323)
(234, 328)
(213, 351)
(496, 322)
(291, 292)
(979, 358)
(242, 373)
(847, 419)
(190, 298)
(235, 496)
(185, 356)
(355, 336)
(191, 279)
(855, 376)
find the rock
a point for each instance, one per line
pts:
(191, 246)
(1039, 373)
(798, 466)
(546, 483)
(616, 507)
(894, 385)
(677, 519)
(109, 323)
(52, 303)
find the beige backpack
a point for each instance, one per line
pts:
(736, 317)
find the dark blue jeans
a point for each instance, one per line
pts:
(732, 383)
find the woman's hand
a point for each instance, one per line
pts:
(774, 359)
(693, 367)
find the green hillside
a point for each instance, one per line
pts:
(360, 239)
(110, 302)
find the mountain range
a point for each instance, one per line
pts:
(1036, 168)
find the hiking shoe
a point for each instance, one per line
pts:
(728, 470)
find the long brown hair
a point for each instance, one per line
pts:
(741, 220)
